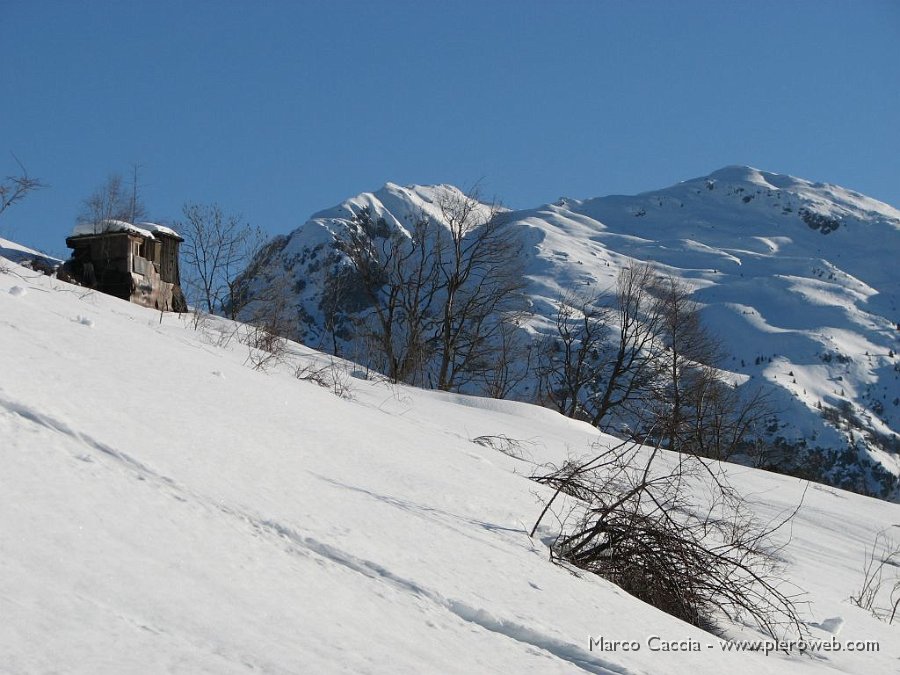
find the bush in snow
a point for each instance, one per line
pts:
(331, 376)
(670, 530)
(879, 592)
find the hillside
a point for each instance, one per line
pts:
(167, 508)
(798, 280)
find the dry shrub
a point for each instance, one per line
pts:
(676, 535)
(879, 593)
(331, 376)
(267, 348)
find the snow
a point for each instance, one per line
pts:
(156, 228)
(772, 286)
(22, 254)
(111, 225)
(147, 230)
(168, 509)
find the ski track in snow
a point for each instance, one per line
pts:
(58, 426)
(479, 617)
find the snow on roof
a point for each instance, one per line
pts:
(110, 225)
(155, 228)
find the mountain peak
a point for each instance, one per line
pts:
(738, 173)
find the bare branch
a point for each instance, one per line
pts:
(14, 188)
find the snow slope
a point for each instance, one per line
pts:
(168, 509)
(23, 255)
(798, 279)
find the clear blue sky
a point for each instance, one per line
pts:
(279, 109)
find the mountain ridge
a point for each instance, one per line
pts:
(796, 277)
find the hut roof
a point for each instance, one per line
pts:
(111, 225)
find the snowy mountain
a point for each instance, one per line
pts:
(167, 508)
(798, 279)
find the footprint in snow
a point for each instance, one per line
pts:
(17, 291)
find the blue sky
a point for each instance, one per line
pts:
(279, 109)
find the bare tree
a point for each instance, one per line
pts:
(725, 419)
(571, 363)
(114, 201)
(689, 350)
(603, 355)
(513, 356)
(436, 302)
(632, 364)
(643, 356)
(389, 280)
(217, 247)
(14, 188)
(337, 285)
(693, 405)
(482, 283)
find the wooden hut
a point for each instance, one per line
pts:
(138, 263)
